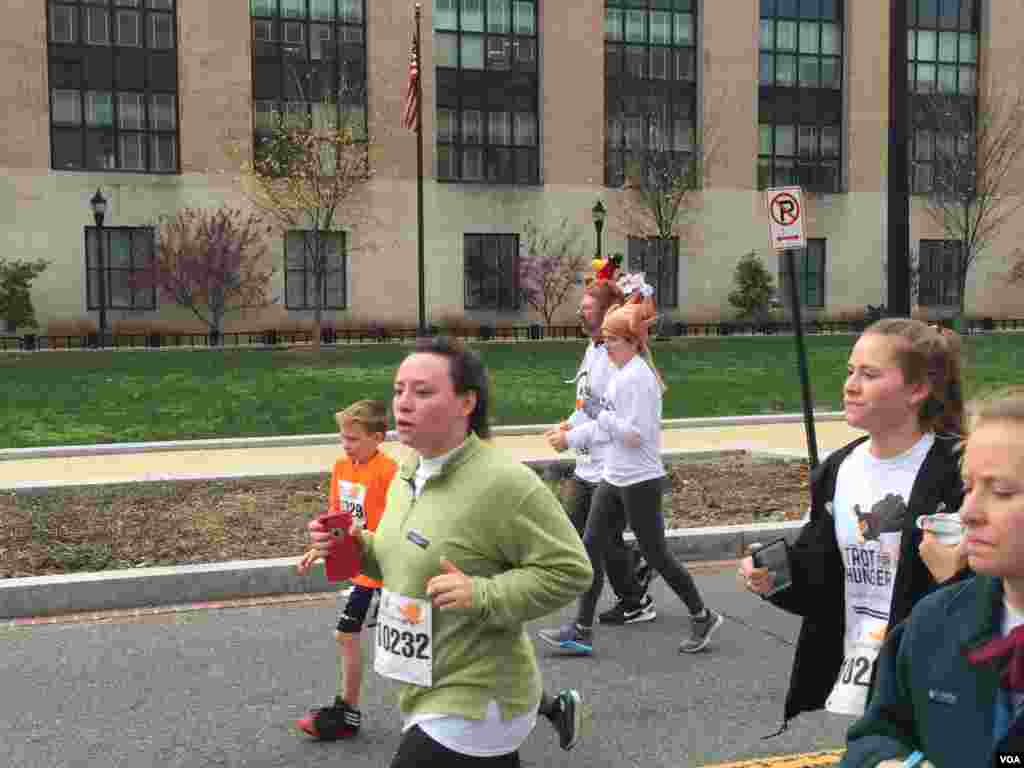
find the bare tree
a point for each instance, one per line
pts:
(308, 175)
(971, 182)
(666, 164)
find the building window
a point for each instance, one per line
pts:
(113, 73)
(800, 96)
(491, 271)
(942, 73)
(658, 259)
(650, 83)
(938, 273)
(300, 275)
(810, 275)
(485, 52)
(309, 65)
(128, 252)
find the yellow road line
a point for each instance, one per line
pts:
(806, 760)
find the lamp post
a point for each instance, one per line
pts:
(98, 203)
(598, 213)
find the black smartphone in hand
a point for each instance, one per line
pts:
(774, 557)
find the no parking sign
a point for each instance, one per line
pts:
(786, 227)
(786, 218)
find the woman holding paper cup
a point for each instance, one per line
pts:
(861, 562)
(950, 688)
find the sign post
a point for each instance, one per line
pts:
(786, 227)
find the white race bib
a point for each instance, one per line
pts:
(353, 500)
(583, 456)
(405, 639)
(850, 693)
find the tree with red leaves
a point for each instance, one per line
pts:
(550, 267)
(212, 262)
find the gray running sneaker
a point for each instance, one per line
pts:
(701, 631)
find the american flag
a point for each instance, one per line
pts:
(412, 93)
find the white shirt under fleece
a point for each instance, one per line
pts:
(585, 437)
(633, 420)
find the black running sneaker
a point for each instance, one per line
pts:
(338, 721)
(630, 613)
(567, 717)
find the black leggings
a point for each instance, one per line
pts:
(620, 558)
(417, 750)
(639, 506)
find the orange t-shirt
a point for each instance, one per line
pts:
(362, 489)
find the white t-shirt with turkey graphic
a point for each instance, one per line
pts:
(870, 510)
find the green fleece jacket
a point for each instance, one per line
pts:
(498, 523)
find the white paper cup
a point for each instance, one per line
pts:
(945, 526)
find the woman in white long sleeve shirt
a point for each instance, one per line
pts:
(632, 481)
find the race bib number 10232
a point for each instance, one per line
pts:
(404, 641)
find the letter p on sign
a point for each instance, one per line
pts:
(786, 218)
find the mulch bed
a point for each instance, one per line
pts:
(93, 528)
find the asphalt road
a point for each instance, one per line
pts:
(223, 687)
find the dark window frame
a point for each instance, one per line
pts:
(795, 117)
(504, 88)
(308, 279)
(274, 36)
(641, 251)
(925, 130)
(938, 272)
(115, 69)
(507, 298)
(143, 299)
(804, 273)
(646, 113)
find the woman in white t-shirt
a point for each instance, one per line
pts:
(860, 564)
(632, 480)
(951, 678)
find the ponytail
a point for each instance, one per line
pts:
(932, 354)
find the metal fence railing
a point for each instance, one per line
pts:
(524, 332)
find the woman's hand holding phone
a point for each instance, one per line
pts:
(757, 580)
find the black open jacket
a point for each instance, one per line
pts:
(818, 592)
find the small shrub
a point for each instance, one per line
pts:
(754, 288)
(84, 557)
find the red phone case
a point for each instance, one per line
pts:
(344, 559)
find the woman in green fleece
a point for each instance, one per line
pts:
(473, 546)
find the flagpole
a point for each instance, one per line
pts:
(422, 326)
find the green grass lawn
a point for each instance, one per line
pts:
(63, 398)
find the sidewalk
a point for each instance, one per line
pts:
(786, 439)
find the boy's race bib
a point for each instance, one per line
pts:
(405, 639)
(353, 500)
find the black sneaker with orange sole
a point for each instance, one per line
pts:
(338, 721)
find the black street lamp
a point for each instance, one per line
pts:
(598, 213)
(98, 203)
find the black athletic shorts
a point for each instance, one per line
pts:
(354, 615)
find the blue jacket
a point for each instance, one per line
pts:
(927, 696)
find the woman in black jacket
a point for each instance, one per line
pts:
(860, 564)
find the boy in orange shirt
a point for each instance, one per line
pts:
(359, 484)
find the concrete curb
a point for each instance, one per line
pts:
(146, 587)
(289, 441)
